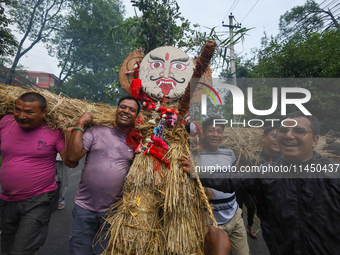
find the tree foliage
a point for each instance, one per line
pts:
(313, 57)
(300, 20)
(317, 56)
(161, 24)
(157, 26)
(36, 20)
(304, 58)
(7, 40)
(86, 51)
(305, 20)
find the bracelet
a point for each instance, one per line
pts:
(78, 128)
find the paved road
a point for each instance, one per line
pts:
(257, 245)
(60, 226)
(61, 221)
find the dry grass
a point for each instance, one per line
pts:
(59, 107)
(135, 227)
(160, 214)
(236, 139)
(240, 140)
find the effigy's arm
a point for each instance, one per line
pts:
(200, 68)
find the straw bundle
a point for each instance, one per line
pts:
(240, 140)
(59, 107)
(135, 227)
(185, 219)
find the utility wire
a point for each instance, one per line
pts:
(229, 10)
(235, 21)
(249, 11)
(235, 5)
(329, 4)
(31, 55)
(323, 2)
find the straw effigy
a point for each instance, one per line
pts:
(159, 214)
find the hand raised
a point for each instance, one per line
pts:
(185, 163)
(85, 118)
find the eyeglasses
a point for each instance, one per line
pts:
(274, 135)
(296, 131)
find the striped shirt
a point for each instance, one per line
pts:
(225, 205)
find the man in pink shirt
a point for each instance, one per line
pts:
(27, 176)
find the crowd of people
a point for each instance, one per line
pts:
(299, 214)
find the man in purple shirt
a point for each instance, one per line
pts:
(107, 162)
(28, 188)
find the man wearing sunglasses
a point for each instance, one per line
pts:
(303, 208)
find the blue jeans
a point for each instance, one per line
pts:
(84, 232)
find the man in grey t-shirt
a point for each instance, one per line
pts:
(107, 162)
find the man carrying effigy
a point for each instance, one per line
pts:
(29, 191)
(303, 203)
(110, 152)
(226, 210)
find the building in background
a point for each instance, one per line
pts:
(42, 79)
(28, 78)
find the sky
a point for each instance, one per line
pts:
(261, 15)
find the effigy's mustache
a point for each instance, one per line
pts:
(156, 79)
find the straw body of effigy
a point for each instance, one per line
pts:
(135, 226)
(159, 213)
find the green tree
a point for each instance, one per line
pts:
(161, 24)
(86, 51)
(7, 40)
(304, 49)
(305, 20)
(301, 19)
(36, 20)
(314, 56)
(88, 86)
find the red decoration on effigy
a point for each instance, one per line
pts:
(136, 83)
(133, 138)
(158, 153)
